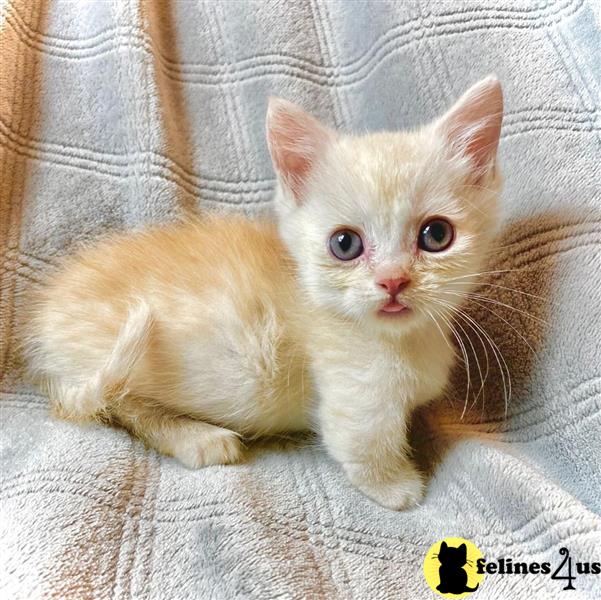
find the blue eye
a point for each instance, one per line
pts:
(436, 235)
(346, 244)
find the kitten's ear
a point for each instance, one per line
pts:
(443, 546)
(463, 549)
(296, 141)
(473, 125)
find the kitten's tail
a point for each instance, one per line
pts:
(86, 401)
(467, 589)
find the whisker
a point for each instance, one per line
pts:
(490, 310)
(500, 362)
(479, 371)
(493, 272)
(445, 337)
(497, 302)
(464, 353)
(487, 369)
(496, 351)
(507, 385)
(484, 378)
(503, 287)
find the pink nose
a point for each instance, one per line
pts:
(393, 286)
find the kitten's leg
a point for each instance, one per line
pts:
(396, 484)
(194, 443)
(366, 431)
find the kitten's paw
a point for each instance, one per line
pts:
(405, 492)
(208, 445)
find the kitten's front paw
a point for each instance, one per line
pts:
(214, 446)
(404, 492)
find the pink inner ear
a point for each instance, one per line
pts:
(293, 153)
(295, 140)
(473, 124)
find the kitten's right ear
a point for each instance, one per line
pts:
(473, 125)
(296, 140)
(443, 546)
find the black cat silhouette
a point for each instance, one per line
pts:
(453, 578)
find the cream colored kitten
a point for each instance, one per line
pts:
(336, 319)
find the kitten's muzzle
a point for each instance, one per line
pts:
(393, 285)
(393, 307)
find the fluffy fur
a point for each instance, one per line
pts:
(193, 335)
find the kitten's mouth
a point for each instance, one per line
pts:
(393, 308)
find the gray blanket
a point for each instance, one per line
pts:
(116, 114)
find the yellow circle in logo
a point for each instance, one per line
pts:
(450, 567)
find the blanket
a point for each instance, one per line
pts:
(118, 114)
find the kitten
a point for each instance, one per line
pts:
(337, 318)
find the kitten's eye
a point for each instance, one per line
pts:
(436, 235)
(346, 244)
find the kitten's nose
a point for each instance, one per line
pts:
(393, 286)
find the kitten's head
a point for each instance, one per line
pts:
(388, 229)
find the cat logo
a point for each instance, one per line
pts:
(450, 568)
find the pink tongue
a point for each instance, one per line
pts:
(394, 307)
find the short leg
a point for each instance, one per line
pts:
(194, 443)
(397, 488)
(367, 390)
(369, 439)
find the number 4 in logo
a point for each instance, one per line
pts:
(569, 577)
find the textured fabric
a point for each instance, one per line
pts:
(117, 114)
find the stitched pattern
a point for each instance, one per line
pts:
(440, 24)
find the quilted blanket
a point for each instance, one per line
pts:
(116, 114)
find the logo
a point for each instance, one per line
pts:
(455, 568)
(450, 567)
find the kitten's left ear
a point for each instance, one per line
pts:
(473, 125)
(296, 141)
